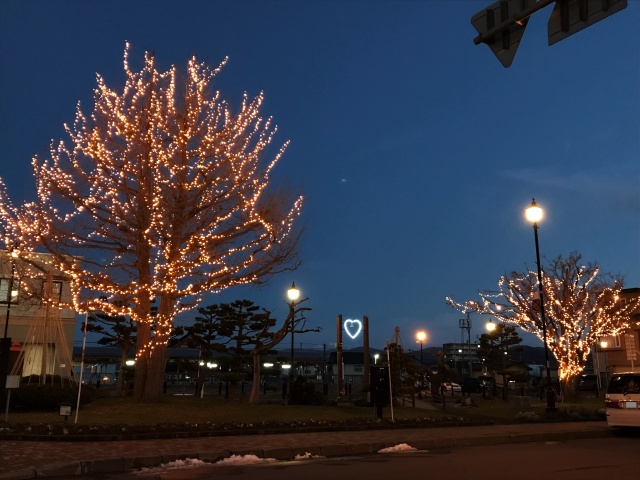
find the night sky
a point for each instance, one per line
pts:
(416, 151)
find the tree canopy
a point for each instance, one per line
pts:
(580, 303)
(162, 194)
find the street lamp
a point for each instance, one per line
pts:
(293, 294)
(421, 336)
(534, 215)
(490, 326)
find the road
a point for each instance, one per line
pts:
(617, 458)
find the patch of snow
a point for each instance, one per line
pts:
(163, 467)
(402, 447)
(306, 456)
(244, 460)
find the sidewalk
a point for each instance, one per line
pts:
(26, 459)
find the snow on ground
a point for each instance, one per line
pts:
(403, 447)
(194, 462)
(175, 465)
(250, 460)
(307, 456)
(244, 460)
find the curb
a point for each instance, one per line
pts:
(123, 464)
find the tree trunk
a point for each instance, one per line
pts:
(155, 374)
(143, 342)
(569, 387)
(255, 386)
(120, 379)
(156, 352)
(200, 380)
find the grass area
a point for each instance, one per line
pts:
(112, 415)
(499, 411)
(181, 409)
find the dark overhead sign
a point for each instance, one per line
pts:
(571, 16)
(501, 25)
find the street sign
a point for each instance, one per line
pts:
(501, 24)
(502, 33)
(630, 346)
(571, 16)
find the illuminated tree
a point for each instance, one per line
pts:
(163, 195)
(581, 305)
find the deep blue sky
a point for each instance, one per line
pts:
(416, 150)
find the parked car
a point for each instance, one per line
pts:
(622, 400)
(451, 387)
(588, 382)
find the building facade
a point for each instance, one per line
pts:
(35, 304)
(620, 353)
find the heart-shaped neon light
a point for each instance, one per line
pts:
(353, 328)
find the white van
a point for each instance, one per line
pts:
(623, 400)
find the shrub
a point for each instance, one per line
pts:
(304, 393)
(48, 397)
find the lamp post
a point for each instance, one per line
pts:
(534, 215)
(293, 294)
(421, 336)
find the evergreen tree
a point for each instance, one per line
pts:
(118, 331)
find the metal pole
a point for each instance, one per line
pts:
(84, 344)
(389, 372)
(339, 365)
(293, 328)
(9, 292)
(367, 355)
(551, 401)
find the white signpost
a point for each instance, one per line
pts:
(13, 381)
(630, 347)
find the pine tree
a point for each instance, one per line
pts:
(496, 349)
(164, 194)
(116, 330)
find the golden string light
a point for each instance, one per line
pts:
(578, 311)
(162, 194)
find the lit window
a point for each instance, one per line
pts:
(4, 290)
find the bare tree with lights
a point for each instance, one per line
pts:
(264, 340)
(581, 305)
(164, 194)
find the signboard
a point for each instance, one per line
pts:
(501, 24)
(505, 41)
(571, 16)
(630, 346)
(13, 381)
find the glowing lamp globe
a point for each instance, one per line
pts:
(534, 213)
(293, 293)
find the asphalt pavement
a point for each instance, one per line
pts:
(25, 459)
